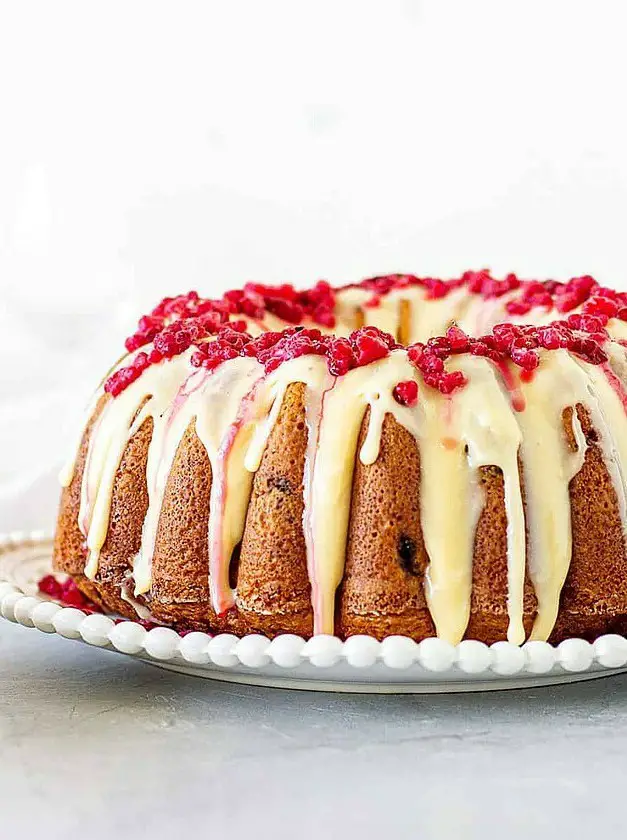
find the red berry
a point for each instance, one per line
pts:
(527, 359)
(451, 381)
(49, 585)
(406, 393)
(518, 307)
(437, 289)
(369, 348)
(74, 599)
(457, 339)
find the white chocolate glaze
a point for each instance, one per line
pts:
(549, 466)
(215, 403)
(610, 421)
(333, 435)
(484, 426)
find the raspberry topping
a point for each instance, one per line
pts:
(482, 283)
(383, 285)
(67, 593)
(211, 313)
(122, 378)
(577, 292)
(285, 302)
(254, 300)
(582, 292)
(520, 344)
(178, 323)
(271, 349)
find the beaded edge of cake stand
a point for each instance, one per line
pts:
(433, 657)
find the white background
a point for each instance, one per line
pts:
(150, 148)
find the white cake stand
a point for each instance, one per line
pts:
(324, 663)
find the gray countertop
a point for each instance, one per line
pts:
(94, 745)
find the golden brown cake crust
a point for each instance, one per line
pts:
(129, 504)
(273, 589)
(594, 597)
(383, 588)
(69, 552)
(180, 565)
(488, 602)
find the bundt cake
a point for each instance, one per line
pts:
(404, 455)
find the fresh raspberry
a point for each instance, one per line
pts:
(75, 598)
(525, 358)
(406, 393)
(457, 339)
(49, 585)
(66, 593)
(340, 358)
(451, 381)
(368, 348)
(518, 307)
(437, 289)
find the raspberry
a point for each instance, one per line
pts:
(319, 302)
(594, 323)
(563, 296)
(173, 340)
(75, 598)
(437, 289)
(451, 381)
(287, 310)
(588, 349)
(383, 285)
(369, 348)
(66, 593)
(49, 585)
(285, 302)
(566, 302)
(518, 307)
(429, 359)
(602, 305)
(580, 334)
(440, 345)
(572, 294)
(457, 339)
(415, 353)
(476, 281)
(479, 348)
(406, 393)
(549, 338)
(526, 359)
(432, 364)
(340, 357)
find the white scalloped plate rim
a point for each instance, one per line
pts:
(324, 663)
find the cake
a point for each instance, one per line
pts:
(403, 455)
